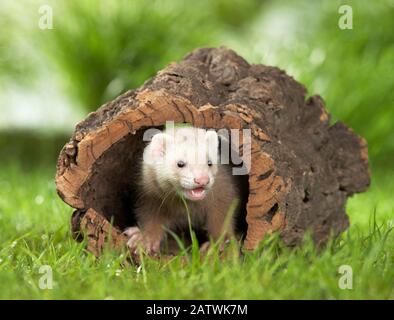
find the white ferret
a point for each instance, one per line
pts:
(181, 175)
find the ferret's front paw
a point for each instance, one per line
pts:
(138, 240)
(131, 231)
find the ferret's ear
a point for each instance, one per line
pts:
(212, 140)
(159, 144)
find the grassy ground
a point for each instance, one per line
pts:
(35, 232)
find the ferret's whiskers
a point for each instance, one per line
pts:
(165, 197)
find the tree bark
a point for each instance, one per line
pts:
(302, 168)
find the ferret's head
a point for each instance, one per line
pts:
(183, 160)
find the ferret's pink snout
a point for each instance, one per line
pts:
(202, 180)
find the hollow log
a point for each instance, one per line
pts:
(302, 168)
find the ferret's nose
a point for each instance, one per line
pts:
(202, 180)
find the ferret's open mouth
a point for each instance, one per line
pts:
(195, 194)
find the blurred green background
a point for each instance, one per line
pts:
(96, 50)
(50, 79)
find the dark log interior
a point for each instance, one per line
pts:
(112, 189)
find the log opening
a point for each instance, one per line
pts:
(109, 187)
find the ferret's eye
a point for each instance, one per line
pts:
(180, 164)
(209, 163)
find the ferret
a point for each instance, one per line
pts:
(180, 176)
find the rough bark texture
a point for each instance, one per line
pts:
(302, 168)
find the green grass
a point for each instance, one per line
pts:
(35, 231)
